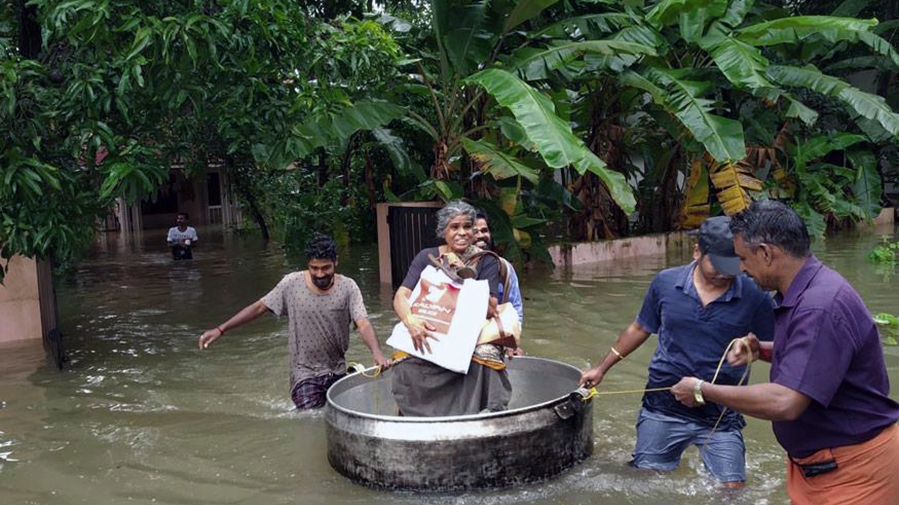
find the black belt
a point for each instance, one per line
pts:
(818, 467)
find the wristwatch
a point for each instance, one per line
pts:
(697, 392)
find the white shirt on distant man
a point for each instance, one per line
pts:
(178, 236)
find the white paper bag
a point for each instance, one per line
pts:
(458, 313)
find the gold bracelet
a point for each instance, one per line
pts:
(616, 353)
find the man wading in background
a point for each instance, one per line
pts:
(181, 238)
(696, 310)
(320, 305)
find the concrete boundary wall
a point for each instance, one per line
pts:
(887, 216)
(20, 303)
(631, 247)
(27, 300)
(646, 245)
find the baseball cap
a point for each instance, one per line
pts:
(716, 240)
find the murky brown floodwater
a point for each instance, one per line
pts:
(141, 416)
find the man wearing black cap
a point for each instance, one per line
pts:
(696, 310)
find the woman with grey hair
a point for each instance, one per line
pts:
(421, 388)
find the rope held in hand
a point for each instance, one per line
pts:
(593, 392)
(360, 368)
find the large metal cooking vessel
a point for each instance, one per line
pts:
(546, 430)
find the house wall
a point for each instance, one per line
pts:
(20, 305)
(192, 199)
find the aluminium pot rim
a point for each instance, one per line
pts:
(332, 405)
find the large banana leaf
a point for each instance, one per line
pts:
(535, 64)
(734, 180)
(876, 62)
(791, 30)
(525, 10)
(332, 130)
(459, 32)
(880, 45)
(830, 28)
(721, 29)
(578, 27)
(741, 63)
(736, 11)
(868, 187)
(820, 146)
(696, 205)
(693, 22)
(807, 77)
(638, 34)
(497, 163)
(659, 95)
(813, 219)
(867, 105)
(799, 110)
(395, 148)
(722, 137)
(336, 128)
(557, 144)
(667, 12)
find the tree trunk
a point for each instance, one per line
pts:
(345, 171)
(370, 183)
(666, 201)
(239, 180)
(29, 32)
(885, 77)
(322, 167)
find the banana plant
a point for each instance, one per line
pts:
(493, 134)
(836, 178)
(714, 56)
(735, 186)
(478, 86)
(728, 50)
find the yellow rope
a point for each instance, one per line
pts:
(593, 392)
(360, 368)
(715, 377)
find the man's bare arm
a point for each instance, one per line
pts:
(628, 341)
(765, 401)
(371, 341)
(247, 314)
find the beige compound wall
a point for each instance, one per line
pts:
(20, 300)
(650, 245)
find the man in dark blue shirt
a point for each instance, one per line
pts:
(696, 310)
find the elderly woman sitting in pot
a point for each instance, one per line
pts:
(422, 388)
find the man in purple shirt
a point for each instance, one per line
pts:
(829, 392)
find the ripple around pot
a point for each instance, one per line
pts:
(545, 431)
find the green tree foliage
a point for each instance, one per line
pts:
(732, 84)
(559, 119)
(118, 91)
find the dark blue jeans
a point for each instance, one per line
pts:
(661, 439)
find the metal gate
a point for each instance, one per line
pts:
(411, 230)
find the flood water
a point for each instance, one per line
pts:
(139, 415)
